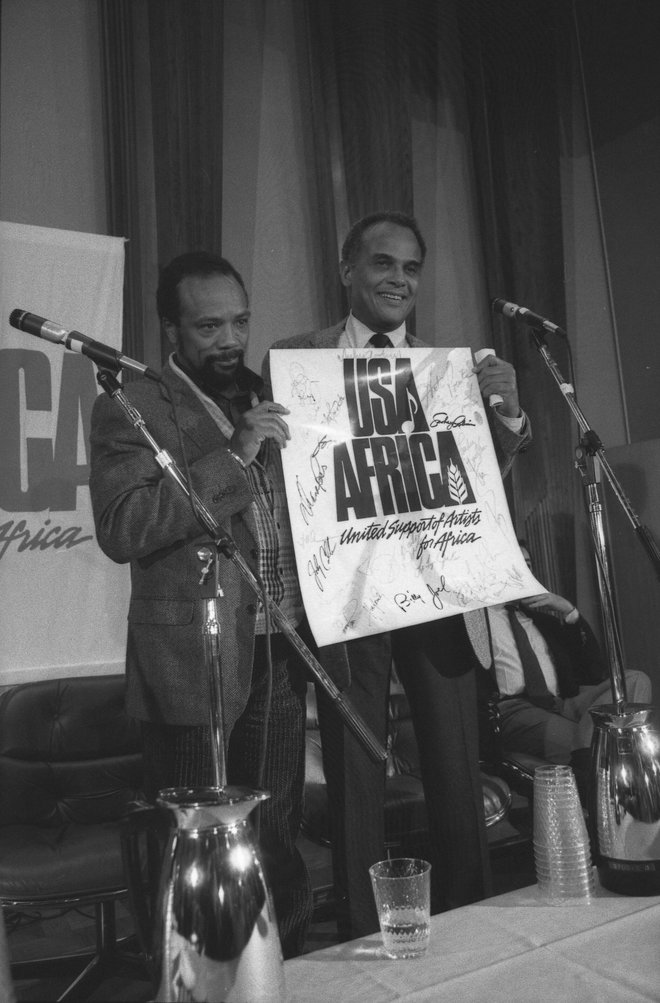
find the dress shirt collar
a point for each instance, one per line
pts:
(357, 334)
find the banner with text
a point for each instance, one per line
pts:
(64, 603)
(397, 506)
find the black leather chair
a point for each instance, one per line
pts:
(69, 767)
(406, 823)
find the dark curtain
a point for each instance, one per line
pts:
(514, 53)
(162, 96)
(323, 147)
(359, 116)
(372, 64)
(186, 57)
(119, 31)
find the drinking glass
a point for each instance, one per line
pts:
(402, 890)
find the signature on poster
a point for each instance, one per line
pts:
(405, 600)
(369, 608)
(318, 565)
(332, 410)
(442, 418)
(318, 470)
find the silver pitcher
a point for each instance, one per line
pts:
(624, 798)
(215, 921)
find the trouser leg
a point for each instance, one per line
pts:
(278, 817)
(434, 663)
(175, 756)
(356, 785)
(539, 732)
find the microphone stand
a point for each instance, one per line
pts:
(225, 545)
(624, 781)
(211, 634)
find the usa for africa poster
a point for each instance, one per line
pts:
(397, 506)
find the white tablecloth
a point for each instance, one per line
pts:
(512, 947)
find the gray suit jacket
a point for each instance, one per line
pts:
(142, 517)
(507, 445)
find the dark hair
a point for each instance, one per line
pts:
(193, 263)
(353, 240)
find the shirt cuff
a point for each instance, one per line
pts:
(515, 425)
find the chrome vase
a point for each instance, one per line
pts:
(624, 798)
(216, 928)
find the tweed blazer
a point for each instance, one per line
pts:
(507, 445)
(145, 519)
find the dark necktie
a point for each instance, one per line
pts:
(535, 685)
(380, 341)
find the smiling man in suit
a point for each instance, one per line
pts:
(381, 267)
(231, 436)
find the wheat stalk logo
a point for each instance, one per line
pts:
(456, 485)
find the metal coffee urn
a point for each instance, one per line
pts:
(215, 922)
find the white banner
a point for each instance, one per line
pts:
(64, 603)
(397, 506)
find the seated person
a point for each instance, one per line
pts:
(549, 670)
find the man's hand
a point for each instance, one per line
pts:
(263, 421)
(496, 376)
(547, 602)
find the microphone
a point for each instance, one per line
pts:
(516, 312)
(99, 353)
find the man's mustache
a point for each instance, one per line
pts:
(226, 355)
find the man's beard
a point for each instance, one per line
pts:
(221, 380)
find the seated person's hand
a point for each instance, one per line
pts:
(547, 602)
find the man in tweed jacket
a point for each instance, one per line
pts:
(381, 266)
(231, 437)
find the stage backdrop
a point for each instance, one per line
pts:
(397, 506)
(64, 603)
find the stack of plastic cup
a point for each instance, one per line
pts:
(562, 854)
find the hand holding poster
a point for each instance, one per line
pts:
(396, 502)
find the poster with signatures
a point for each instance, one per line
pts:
(397, 506)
